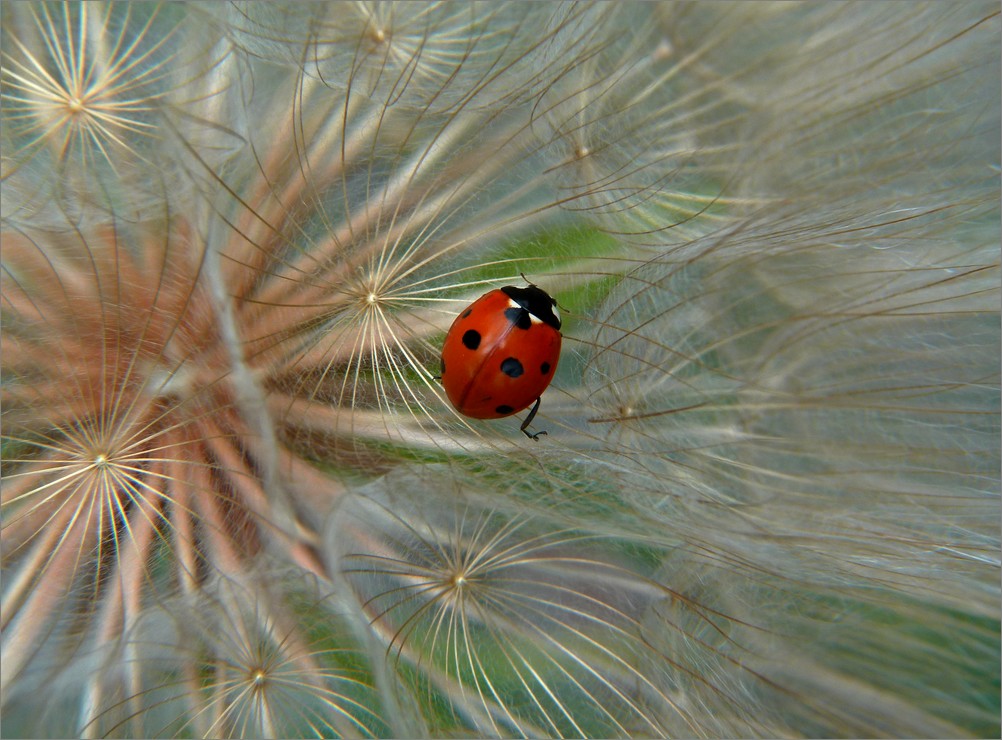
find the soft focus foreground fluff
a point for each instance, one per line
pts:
(236, 501)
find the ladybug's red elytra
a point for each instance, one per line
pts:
(501, 352)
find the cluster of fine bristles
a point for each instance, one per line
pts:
(237, 502)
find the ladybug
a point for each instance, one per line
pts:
(501, 353)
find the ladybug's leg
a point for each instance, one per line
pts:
(528, 421)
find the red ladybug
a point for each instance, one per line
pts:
(501, 353)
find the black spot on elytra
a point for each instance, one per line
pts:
(512, 367)
(519, 317)
(443, 367)
(466, 313)
(544, 368)
(471, 339)
(504, 410)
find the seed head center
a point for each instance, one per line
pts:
(75, 105)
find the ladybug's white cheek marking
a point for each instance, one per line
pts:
(533, 319)
(517, 315)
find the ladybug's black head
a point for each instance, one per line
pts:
(537, 302)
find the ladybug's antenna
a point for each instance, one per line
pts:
(527, 279)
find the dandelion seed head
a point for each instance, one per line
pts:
(78, 94)
(473, 599)
(92, 92)
(663, 50)
(236, 501)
